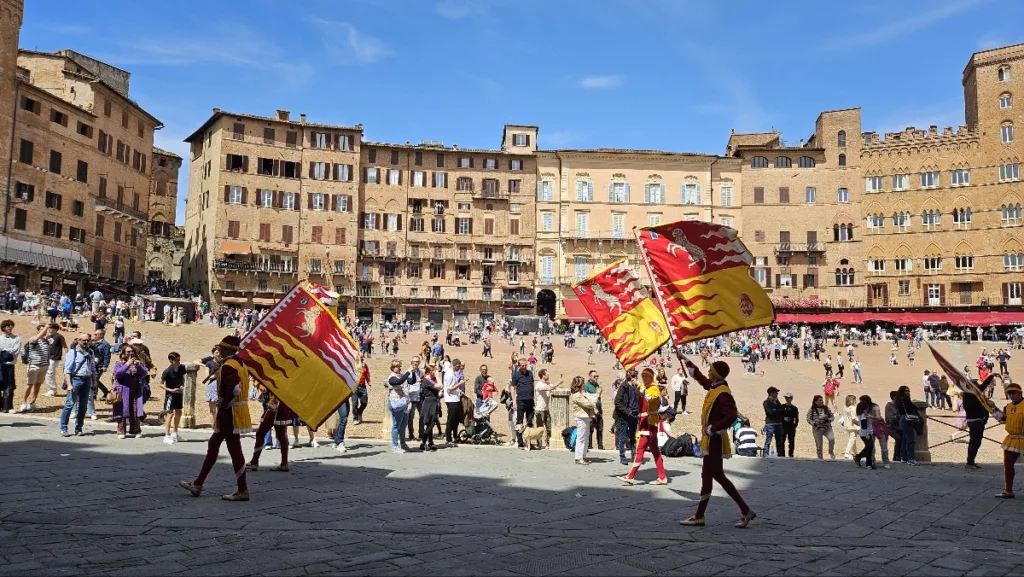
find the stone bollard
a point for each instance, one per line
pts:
(188, 412)
(558, 407)
(386, 420)
(921, 451)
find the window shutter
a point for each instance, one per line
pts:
(245, 195)
(784, 194)
(750, 272)
(647, 193)
(309, 201)
(611, 192)
(311, 165)
(924, 295)
(399, 177)
(768, 277)
(362, 220)
(470, 226)
(245, 164)
(942, 295)
(778, 280)
(433, 180)
(540, 189)
(1006, 293)
(398, 217)
(885, 294)
(871, 296)
(758, 194)
(348, 203)
(227, 193)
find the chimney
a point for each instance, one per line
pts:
(216, 110)
(302, 118)
(283, 115)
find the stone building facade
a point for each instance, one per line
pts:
(400, 231)
(588, 202)
(11, 12)
(77, 204)
(165, 244)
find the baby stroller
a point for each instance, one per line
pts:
(481, 432)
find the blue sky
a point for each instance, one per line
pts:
(659, 74)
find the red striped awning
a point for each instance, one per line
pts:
(574, 311)
(970, 319)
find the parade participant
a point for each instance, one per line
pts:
(1012, 416)
(232, 419)
(650, 405)
(717, 416)
(277, 416)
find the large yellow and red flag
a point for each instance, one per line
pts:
(303, 355)
(628, 319)
(699, 273)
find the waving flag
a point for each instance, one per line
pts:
(628, 319)
(303, 355)
(962, 381)
(699, 271)
(326, 296)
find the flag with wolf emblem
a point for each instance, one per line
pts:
(965, 383)
(699, 271)
(302, 354)
(625, 315)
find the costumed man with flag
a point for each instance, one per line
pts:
(231, 420)
(650, 409)
(1012, 416)
(703, 288)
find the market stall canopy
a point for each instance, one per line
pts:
(575, 311)
(235, 247)
(968, 319)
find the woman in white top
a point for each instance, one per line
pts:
(541, 391)
(867, 413)
(852, 425)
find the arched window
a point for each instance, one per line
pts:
(1004, 74)
(842, 232)
(842, 138)
(783, 162)
(805, 162)
(758, 162)
(1011, 213)
(1005, 101)
(1006, 132)
(842, 160)
(961, 216)
(844, 276)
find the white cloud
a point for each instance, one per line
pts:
(458, 9)
(597, 82)
(347, 45)
(892, 30)
(243, 49)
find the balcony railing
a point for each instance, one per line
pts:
(951, 299)
(598, 234)
(103, 202)
(517, 297)
(490, 194)
(487, 280)
(252, 266)
(795, 247)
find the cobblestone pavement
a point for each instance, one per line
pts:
(93, 505)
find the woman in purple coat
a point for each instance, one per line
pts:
(128, 376)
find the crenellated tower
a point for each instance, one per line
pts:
(10, 28)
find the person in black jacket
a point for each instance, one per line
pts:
(627, 413)
(790, 420)
(910, 420)
(977, 417)
(773, 415)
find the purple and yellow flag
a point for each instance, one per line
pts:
(699, 273)
(303, 355)
(627, 318)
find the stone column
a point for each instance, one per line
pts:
(921, 451)
(558, 406)
(188, 412)
(385, 420)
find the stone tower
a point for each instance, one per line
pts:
(10, 28)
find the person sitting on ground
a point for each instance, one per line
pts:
(745, 439)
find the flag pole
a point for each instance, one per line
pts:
(657, 294)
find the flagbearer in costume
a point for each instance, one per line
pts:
(232, 419)
(716, 419)
(1013, 445)
(650, 405)
(277, 416)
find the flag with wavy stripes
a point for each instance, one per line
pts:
(625, 315)
(303, 355)
(699, 271)
(963, 382)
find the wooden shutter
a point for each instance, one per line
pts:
(778, 280)
(309, 201)
(362, 220)
(339, 236)
(758, 195)
(245, 195)
(871, 294)
(470, 225)
(398, 217)
(885, 294)
(264, 232)
(784, 195)
(488, 226)
(513, 226)
(768, 277)
(1006, 293)
(812, 237)
(942, 295)
(348, 202)
(227, 193)
(924, 295)
(245, 164)
(316, 234)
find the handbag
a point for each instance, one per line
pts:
(113, 397)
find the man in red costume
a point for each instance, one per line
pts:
(232, 419)
(717, 416)
(277, 416)
(650, 406)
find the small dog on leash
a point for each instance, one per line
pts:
(534, 435)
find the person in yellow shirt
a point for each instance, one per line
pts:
(1012, 416)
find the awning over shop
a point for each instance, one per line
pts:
(234, 300)
(970, 319)
(574, 311)
(264, 302)
(235, 247)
